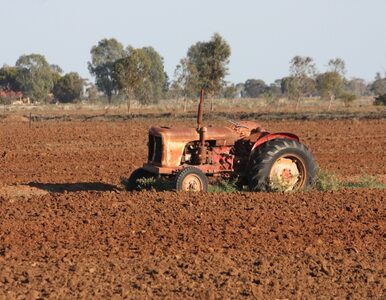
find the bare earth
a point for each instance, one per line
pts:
(69, 230)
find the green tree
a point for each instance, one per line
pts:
(330, 85)
(157, 82)
(103, 58)
(255, 87)
(380, 100)
(185, 84)
(358, 87)
(92, 92)
(35, 76)
(8, 79)
(240, 90)
(131, 73)
(166, 86)
(68, 88)
(300, 83)
(378, 87)
(211, 61)
(229, 91)
(56, 73)
(347, 98)
(337, 65)
(297, 88)
(275, 88)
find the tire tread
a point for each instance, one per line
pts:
(262, 160)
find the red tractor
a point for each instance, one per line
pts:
(242, 151)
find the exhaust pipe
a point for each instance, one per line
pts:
(201, 130)
(200, 112)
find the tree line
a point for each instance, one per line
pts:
(37, 79)
(138, 73)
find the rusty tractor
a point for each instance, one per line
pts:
(243, 151)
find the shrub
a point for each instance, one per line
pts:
(222, 186)
(366, 181)
(380, 100)
(347, 98)
(152, 183)
(327, 181)
(270, 98)
(146, 183)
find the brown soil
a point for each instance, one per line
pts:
(105, 244)
(68, 230)
(191, 116)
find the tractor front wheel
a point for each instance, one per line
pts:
(133, 184)
(191, 179)
(281, 165)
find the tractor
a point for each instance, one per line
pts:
(241, 151)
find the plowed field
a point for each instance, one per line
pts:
(68, 230)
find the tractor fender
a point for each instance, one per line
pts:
(272, 136)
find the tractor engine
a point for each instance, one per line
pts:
(214, 155)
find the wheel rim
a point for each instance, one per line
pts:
(192, 183)
(288, 173)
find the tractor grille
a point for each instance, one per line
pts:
(155, 149)
(150, 148)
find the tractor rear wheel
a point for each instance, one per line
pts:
(191, 179)
(281, 165)
(133, 184)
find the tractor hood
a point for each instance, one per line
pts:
(228, 134)
(181, 134)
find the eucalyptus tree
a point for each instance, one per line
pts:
(132, 73)
(35, 76)
(210, 60)
(301, 80)
(68, 88)
(103, 58)
(185, 84)
(157, 79)
(330, 85)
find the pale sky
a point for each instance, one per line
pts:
(263, 35)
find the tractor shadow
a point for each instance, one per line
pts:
(75, 187)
